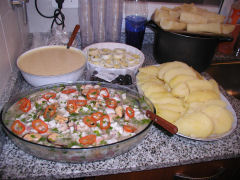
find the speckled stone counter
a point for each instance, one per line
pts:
(157, 150)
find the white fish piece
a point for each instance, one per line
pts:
(110, 111)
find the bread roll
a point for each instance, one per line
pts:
(170, 24)
(209, 28)
(227, 28)
(188, 17)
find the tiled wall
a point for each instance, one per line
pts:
(13, 37)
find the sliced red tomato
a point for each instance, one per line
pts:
(25, 104)
(40, 126)
(49, 111)
(71, 106)
(18, 127)
(68, 91)
(129, 128)
(111, 103)
(97, 115)
(105, 122)
(88, 140)
(130, 112)
(80, 102)
(104, 92)
(92, 94)
(89, 121)
(49, 95)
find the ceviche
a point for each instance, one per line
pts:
(77, 116)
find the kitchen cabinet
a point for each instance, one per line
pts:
(220, 170)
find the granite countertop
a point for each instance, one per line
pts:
(157, 150)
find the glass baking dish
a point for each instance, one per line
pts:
(78, 155)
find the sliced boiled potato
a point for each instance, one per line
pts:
(152, 70)
(150, 90)
(171, 73)
(163, 68)
(155, 97)
(196, 125)
(168, 115)
(198, 106)
(202, 96)
(198, 84)
(172, 107)
(180, 79)
(166, 100)
(221, 118)
(143, 77)
(215, 85)
(181, 90)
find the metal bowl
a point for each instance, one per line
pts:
(76, 155)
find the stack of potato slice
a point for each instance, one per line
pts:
(183, 97)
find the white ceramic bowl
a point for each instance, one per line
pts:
(39, 80)
(112, 45)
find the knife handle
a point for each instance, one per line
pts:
(162, 122)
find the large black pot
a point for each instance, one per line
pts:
(194, 49)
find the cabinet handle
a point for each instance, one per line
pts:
(181, 176)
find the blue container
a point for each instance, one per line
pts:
(135, 28)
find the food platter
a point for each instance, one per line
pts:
(212, 136)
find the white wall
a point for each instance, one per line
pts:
(13, 37)
(39, 24)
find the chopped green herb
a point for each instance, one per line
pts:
(103, 142)
(33, 136)
(55, 130)
(97, 133)
(23, 119)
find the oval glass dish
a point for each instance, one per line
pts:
(78, 154)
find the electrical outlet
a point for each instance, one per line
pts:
(66, 4)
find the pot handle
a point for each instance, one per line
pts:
(225, 39)
(152, 25)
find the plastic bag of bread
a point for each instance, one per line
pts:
(190, 18)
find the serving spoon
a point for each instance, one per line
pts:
(73, 35)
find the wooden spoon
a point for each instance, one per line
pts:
(162, 122)
(74, 33)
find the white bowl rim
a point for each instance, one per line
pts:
(116, 43)
(42, 47)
